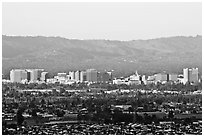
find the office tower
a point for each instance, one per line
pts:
(193, 75)
(91, 75)
(28, 75)
(83, 76)
(77, 76)
(72, 75)
(44, 76)
(185, 75)
(23, 75)
(17, 75)
(35, 74)
(190, 75)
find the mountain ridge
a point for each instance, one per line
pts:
(56, 54)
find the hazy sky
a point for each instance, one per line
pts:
(116, 21)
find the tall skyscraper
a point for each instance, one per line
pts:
(77, 76)
(91, 75)
(185, 75)
(190, 75)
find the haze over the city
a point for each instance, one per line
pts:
(114, 21)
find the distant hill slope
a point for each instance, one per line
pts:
(60, 54)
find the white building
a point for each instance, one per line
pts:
(43, 76)
(17, 75)
(78, 76)
(190, 75)
(72, 75)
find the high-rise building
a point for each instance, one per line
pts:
(28, 75)
(72, 75)
(185, 75)
(193, 75)
(83, 76)
(32, 75)
(35, 74)
(190, 75)
(91, 75)
(43, 76)
(17, 75)
(77, 76)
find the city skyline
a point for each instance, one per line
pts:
(105, 68)
(190, 75)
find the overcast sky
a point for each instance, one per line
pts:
(115, 21)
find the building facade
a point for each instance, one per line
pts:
(17, 75)
(83, 76)
(190, 75)
(77, 76)
(43, 76)
(72, 75)
(91, 75)
(26, 75)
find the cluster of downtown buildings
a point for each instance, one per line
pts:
(86, 76)
(40, 76)
(190, 75)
